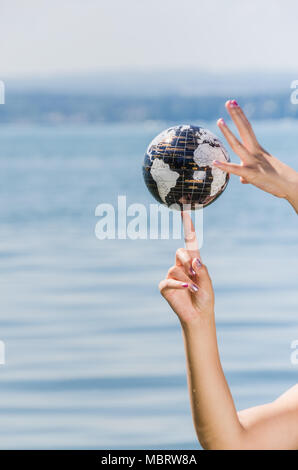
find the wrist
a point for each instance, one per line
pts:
(200, 336)
(201, 321)
(292, 192)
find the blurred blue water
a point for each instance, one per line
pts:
(94, 355)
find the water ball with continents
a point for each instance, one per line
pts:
(178, 168)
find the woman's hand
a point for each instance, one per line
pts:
(188, 287)
(257, 166)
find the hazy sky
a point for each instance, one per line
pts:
(41, 37)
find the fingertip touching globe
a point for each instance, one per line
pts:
(178, 168)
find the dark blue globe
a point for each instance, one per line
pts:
(178, 167)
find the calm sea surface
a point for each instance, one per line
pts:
(94, 356)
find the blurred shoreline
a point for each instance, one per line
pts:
(61, 108)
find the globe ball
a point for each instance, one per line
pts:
(178, 168)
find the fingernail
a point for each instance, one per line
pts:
(221, 122)
(198, 262)
(194, 288)
(216, 162)
(233, 104)
(184, 285)
(192, 271)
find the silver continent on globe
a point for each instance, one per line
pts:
(178, 168)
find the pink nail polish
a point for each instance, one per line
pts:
(194, 288)
(198, 262)
(192, 271)
(233, 104)
(216, 162)
(221, 122)
(184, 285)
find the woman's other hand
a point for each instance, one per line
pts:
(257, 166)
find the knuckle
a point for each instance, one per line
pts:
(190, 237)
(162, 286)
(237, 146)
(172, 271)
(183, 255)
(180, 252)
(204, 268)
(250, 170)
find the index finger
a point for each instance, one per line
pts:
(190, 238)
(243, 125)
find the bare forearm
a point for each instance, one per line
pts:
(214, 414)
(218, 425)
